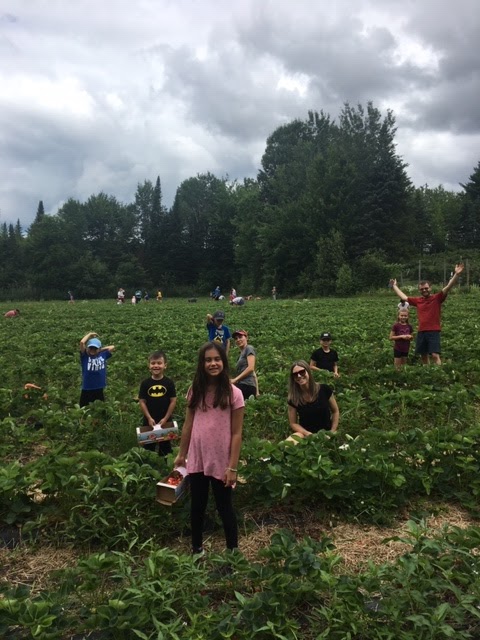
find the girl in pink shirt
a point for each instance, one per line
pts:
(211, 441)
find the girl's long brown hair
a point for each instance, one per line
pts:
(295, 396)
(223, 387)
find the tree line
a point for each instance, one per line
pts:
(332, 211)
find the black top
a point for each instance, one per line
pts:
(157, 395)
(324, 360)
(316, 415)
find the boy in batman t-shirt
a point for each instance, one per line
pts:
(157, 397)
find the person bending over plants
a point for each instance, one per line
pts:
(93, 360)
(211, 442)
(13, 313)
(311, 406)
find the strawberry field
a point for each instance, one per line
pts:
(74, 480)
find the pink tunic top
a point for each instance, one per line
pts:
(209, 449)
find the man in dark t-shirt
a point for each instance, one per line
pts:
(429, 308)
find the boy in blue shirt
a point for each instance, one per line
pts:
(93, 359)
(217, 331)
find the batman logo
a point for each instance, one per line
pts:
(157, 391)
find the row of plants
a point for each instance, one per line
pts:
(294, 590)
(93, 497)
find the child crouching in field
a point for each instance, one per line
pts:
(93, 359)
(158, 398)
(401, 335)
(211, 441)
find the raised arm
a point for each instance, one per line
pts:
(85, 339)
(111, 347)
(458, 270)
(398, 291)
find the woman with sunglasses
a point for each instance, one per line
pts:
(311, 406)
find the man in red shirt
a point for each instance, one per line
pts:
(429, 308)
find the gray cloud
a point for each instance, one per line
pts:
(100, 96)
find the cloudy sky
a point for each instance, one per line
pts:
(99, 96)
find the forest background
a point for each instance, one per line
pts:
(332, 211)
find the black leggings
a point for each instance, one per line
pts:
(247, 390)
(199, 484)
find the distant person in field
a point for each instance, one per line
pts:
(429, 308)
(325, 358)
(217, 331)
(216, 293)
(274, 293)
(71, 299)
(311, 406)
(159, 296)
(13, 313)
(157, 397)
(238, 301)
(401, 334)
(93, 359)
(120, 296)
(403, 305)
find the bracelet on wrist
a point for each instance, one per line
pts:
(232, 470)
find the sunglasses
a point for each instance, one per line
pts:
(301, 373)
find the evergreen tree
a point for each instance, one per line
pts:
(466, 230)
(378, 194)
(249, 221)
(202, 223)
(12, 275)
(40, 212)
(330, 258)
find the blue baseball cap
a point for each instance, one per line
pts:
(94, 342)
